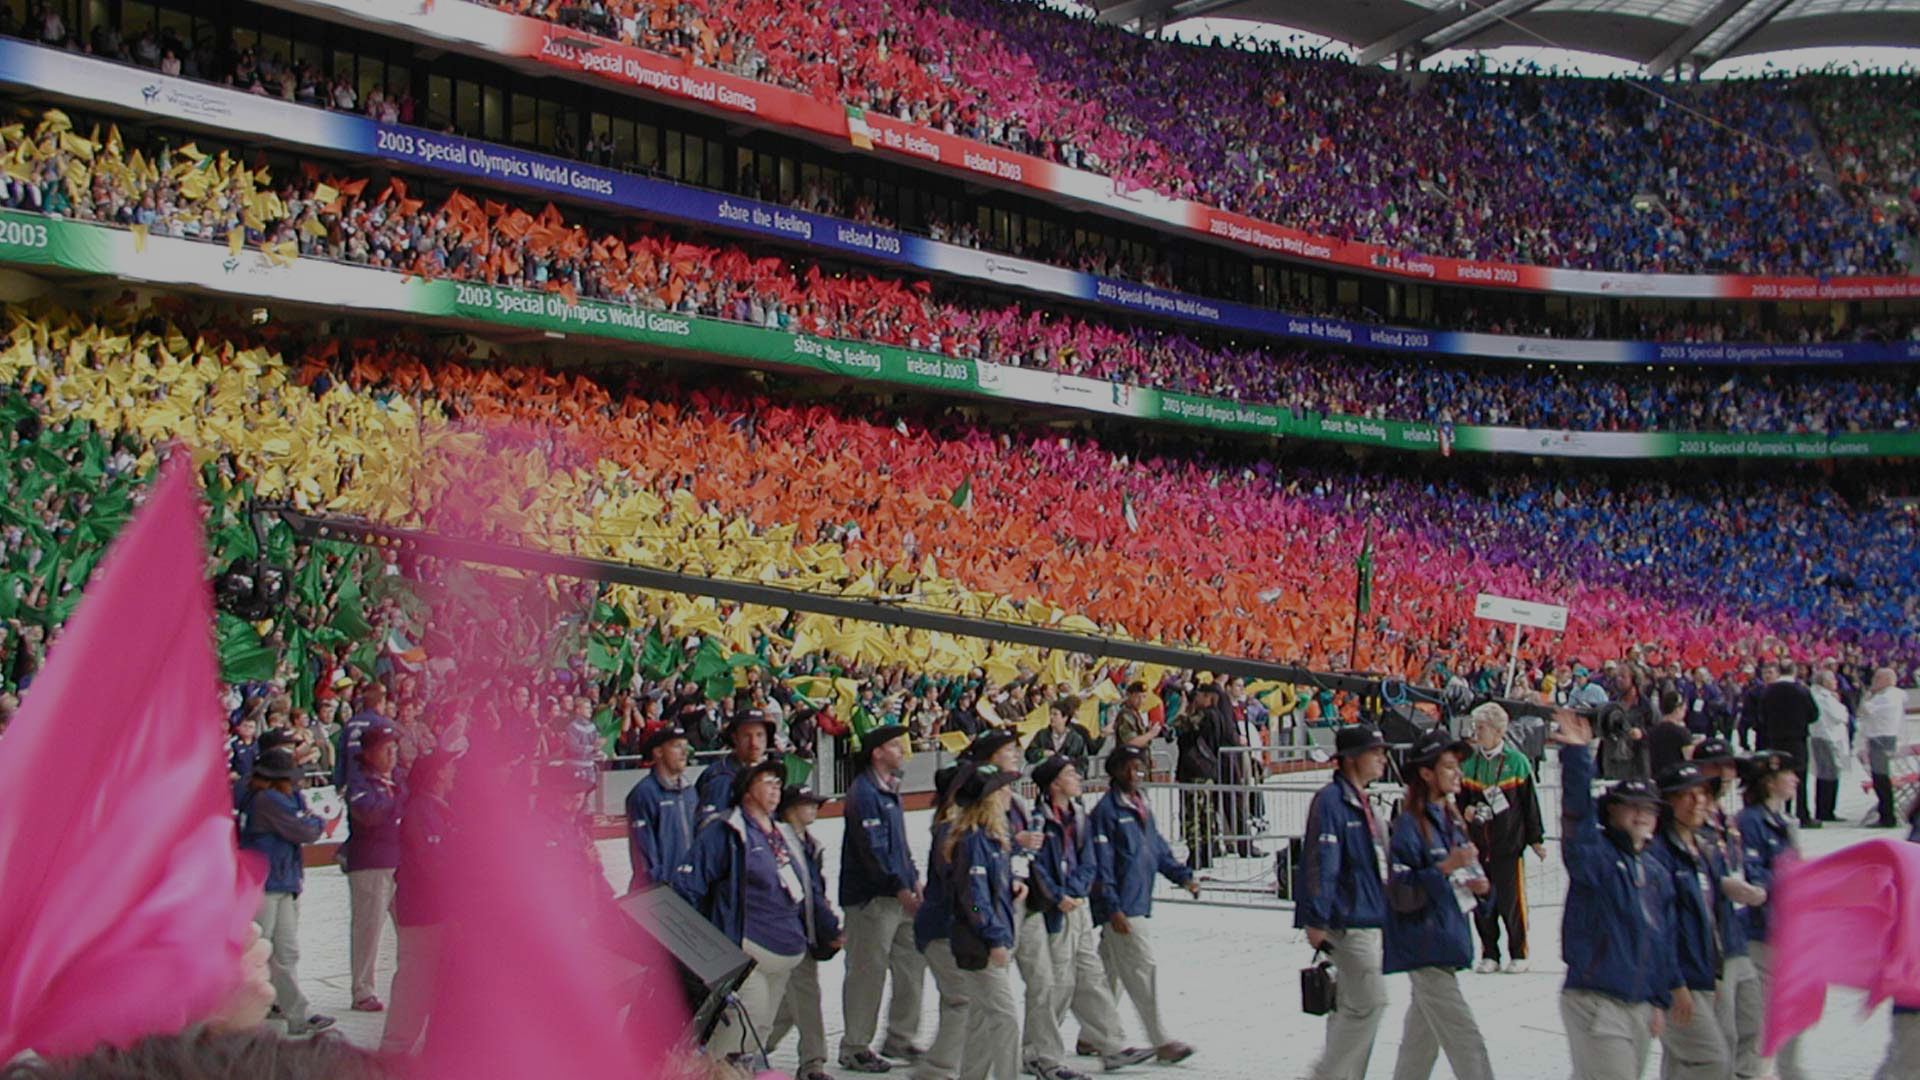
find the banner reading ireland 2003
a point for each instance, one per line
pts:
(66, 245)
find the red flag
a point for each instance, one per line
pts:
(127, 904)
(1844, 920)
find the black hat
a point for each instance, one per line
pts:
(743, 718)
(1136, 687)
(1431, 744)
(944, 777)
(742, 780)
(1633, 791)
(1713, 750)
(880, 736)
(1356, 739)
(1682, 776)
(1045, 773)
(983, 781)
(660, 736)
(1123, 754)
(795, 794)
(988, 743)
(276, 764)
(1769, 761)
(282, 737)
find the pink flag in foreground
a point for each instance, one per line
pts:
(126, 903)
(1849, 919)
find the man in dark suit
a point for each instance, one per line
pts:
(1786, 713)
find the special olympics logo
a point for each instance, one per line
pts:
(150, 91)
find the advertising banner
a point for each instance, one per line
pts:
(97, 249)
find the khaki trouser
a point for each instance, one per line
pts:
(1080, 983)
(1608, 1038)
(369, 905)
(1129, 961)
(1699, 1049)
(1438, 1019)
(1786, 1060)
(800, 1008)
(993, 1050)
(879, 942)
(760, 997)
(1040, 1036)
(1742, 1008)
(1362, 1000)
(1903, 1053)
(416, 966)
(279, 922)
(942, 1059)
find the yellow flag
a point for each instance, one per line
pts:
(953, 742)
(235, 238)
(139, 237)
(75, 145)
(191, 152)
(282, 253)
(312, 227)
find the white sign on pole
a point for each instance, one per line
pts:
(1524, 612)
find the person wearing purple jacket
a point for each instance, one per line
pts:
(426, 824)
(372, 851)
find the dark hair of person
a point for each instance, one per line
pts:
(1670, 699)
(1419, 795)
(258, 1054)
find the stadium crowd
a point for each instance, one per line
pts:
(182, 191)
(1512, 168)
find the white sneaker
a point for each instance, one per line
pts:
(1515, 967)
(1488, 967)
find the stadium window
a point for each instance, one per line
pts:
(373, 76)
(546, 123)
(787, 175)
(623, 142)
(244, 38)
(275, 47)
(716, 165)
(694, 160)
(646, 139)
(524, 116)
(673, 154)
(493, 113)
(134, 17)
(466, 107)
(439, 101)
(307, 51)
(340, 64)
(809, 177)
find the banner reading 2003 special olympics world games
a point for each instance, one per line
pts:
(96, 249)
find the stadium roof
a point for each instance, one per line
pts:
(1658, 33)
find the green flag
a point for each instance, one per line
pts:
(962, 498)
(1363, 585)
(656, 656)
(243, 656)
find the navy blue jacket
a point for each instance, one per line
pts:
(714, 876)
(874, 859)
(660, 825)
(1127, 851)
(373, 820)
(1617, 935)
(716, 788)
(421, 884)
(1697, 912)
(1064, 867)
(1425, 926)
(934, 921)
(983, 888)
(276, 825)
(1763, 835)
(1337, 884)
(346, 764)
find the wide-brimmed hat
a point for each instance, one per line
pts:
(374, 738)
(742, 719)
(1357, 739)
(1714, 750)
(983, 781)
(1123, 754)
(1045, 773)
(794, 794)
(877, 737)
(661, 736)
(1682, 776)
(1635, 791)
(988, 743)
(276, 764)
(742, 780)
(1431, 744)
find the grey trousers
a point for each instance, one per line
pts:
(415, 974)
(1903, 1053)
(879, 943)
(1040, 1035)
(992, 1049)
(1438, 1019)
(800, 1008)
(1786, 1060)
(760, 996)
(279, 922)
(369, 906)
(1129, 961)
(1742, 1007)
(942, 1059)
(1080, 984)
(1699, 1049)
(1607, 1038)
(1362, 1000)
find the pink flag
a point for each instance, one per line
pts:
(1848, 919)
(126, 903)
